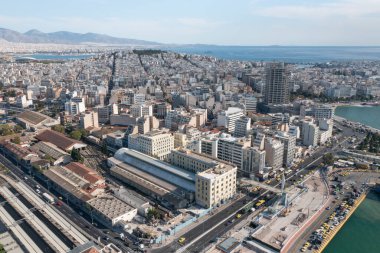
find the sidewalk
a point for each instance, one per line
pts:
(171, 238)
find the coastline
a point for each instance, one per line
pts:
(356, 121)
(331, 236)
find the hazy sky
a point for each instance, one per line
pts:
(227, 22)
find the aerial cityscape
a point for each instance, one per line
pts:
(170, 134)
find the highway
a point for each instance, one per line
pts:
(67, 211)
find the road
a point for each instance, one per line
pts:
(65, 209)
(208, 230)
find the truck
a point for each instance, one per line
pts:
(48, 198)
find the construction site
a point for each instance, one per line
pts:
(279, 223)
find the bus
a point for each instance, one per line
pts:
(48, 198)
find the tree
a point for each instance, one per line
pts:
(76, 156)
(84, 132)
(328, 159)
(16, 140)
(153, 214)
(58, 128)
(17, 129)
(5, 130)
(76, 134)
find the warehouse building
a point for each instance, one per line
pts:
(60, 140)
(34, 120)
(109, 210)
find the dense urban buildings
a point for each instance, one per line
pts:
(149, 142)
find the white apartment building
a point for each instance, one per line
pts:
(242, 127)
(180, 117)
(215, 186)
(295, 130)
(274, 153)
(253, 160)
(75, 106)
(155, 143)
(324, 112)
(23, 102)
(89, 119)
(191, 161)
(229, 117)
(140, 110)
(209, 146)
(139, 98)
(259, 141)
(104, 112)
(325, 130)
(310, 133)
(131, 98)
(146, 124)
(289, 142)
(231, 149)
(160, 110)
(250, 103)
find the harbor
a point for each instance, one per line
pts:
(360, 232)
(333, 232)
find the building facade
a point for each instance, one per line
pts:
(215, 186)
(276, 84)
(155, 143)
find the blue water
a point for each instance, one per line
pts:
(367, 115)
(360, 234)
(291, 54)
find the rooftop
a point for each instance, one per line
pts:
(229, 245)
(110, 206)
(157, 168)
(16, 149)
(215, 172)
(58, 139)
(33, 117)
(82, 171)
(48, 149)
(154, 185)
(67, 185)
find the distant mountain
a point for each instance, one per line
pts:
(63, 37)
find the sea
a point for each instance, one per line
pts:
(361, 231)
(290, 54)
(360, 234)
(367, 115)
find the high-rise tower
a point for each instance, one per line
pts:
(276, 84)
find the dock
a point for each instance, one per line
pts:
(330, 236)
